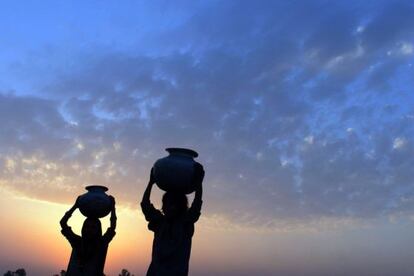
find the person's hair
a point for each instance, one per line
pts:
(95, 221)
(178, 199)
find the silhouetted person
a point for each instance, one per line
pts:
(173, 228)
(89, 251)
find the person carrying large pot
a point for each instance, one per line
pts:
(89, 250)
(173, 226)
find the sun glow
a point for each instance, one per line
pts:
(32, 234)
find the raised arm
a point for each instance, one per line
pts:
(195, 209)
(66, 230)
(147, 194)
(68, 214)
(151, 214)
(113, 214)
(110, 233)
(198, 179)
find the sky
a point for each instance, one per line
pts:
(302, 113)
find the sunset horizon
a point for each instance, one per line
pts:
(301, 112)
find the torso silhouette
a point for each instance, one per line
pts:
(172, 240)
(87, 259)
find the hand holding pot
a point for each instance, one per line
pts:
(198, 175)
(112, 199)
(76, 205)
(152, 177)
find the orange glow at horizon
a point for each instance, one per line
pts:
(32, 233)
(34, 241)
(31, 239)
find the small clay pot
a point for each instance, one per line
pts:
(95, 203)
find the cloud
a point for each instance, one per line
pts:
(293, 119)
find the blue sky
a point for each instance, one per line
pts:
(302, 111)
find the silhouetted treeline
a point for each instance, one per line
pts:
(125, 272)
(62, 273)
(22, 272)
(19, 272)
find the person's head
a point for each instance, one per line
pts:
(91, 228)
(174, 204)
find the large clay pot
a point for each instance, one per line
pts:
(175, 172)
(95, 203)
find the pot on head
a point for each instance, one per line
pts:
(95, 203)
(175, 172)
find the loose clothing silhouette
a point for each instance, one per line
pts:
(171, 247)
(87, 259)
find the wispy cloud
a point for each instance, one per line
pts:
(299, 111)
